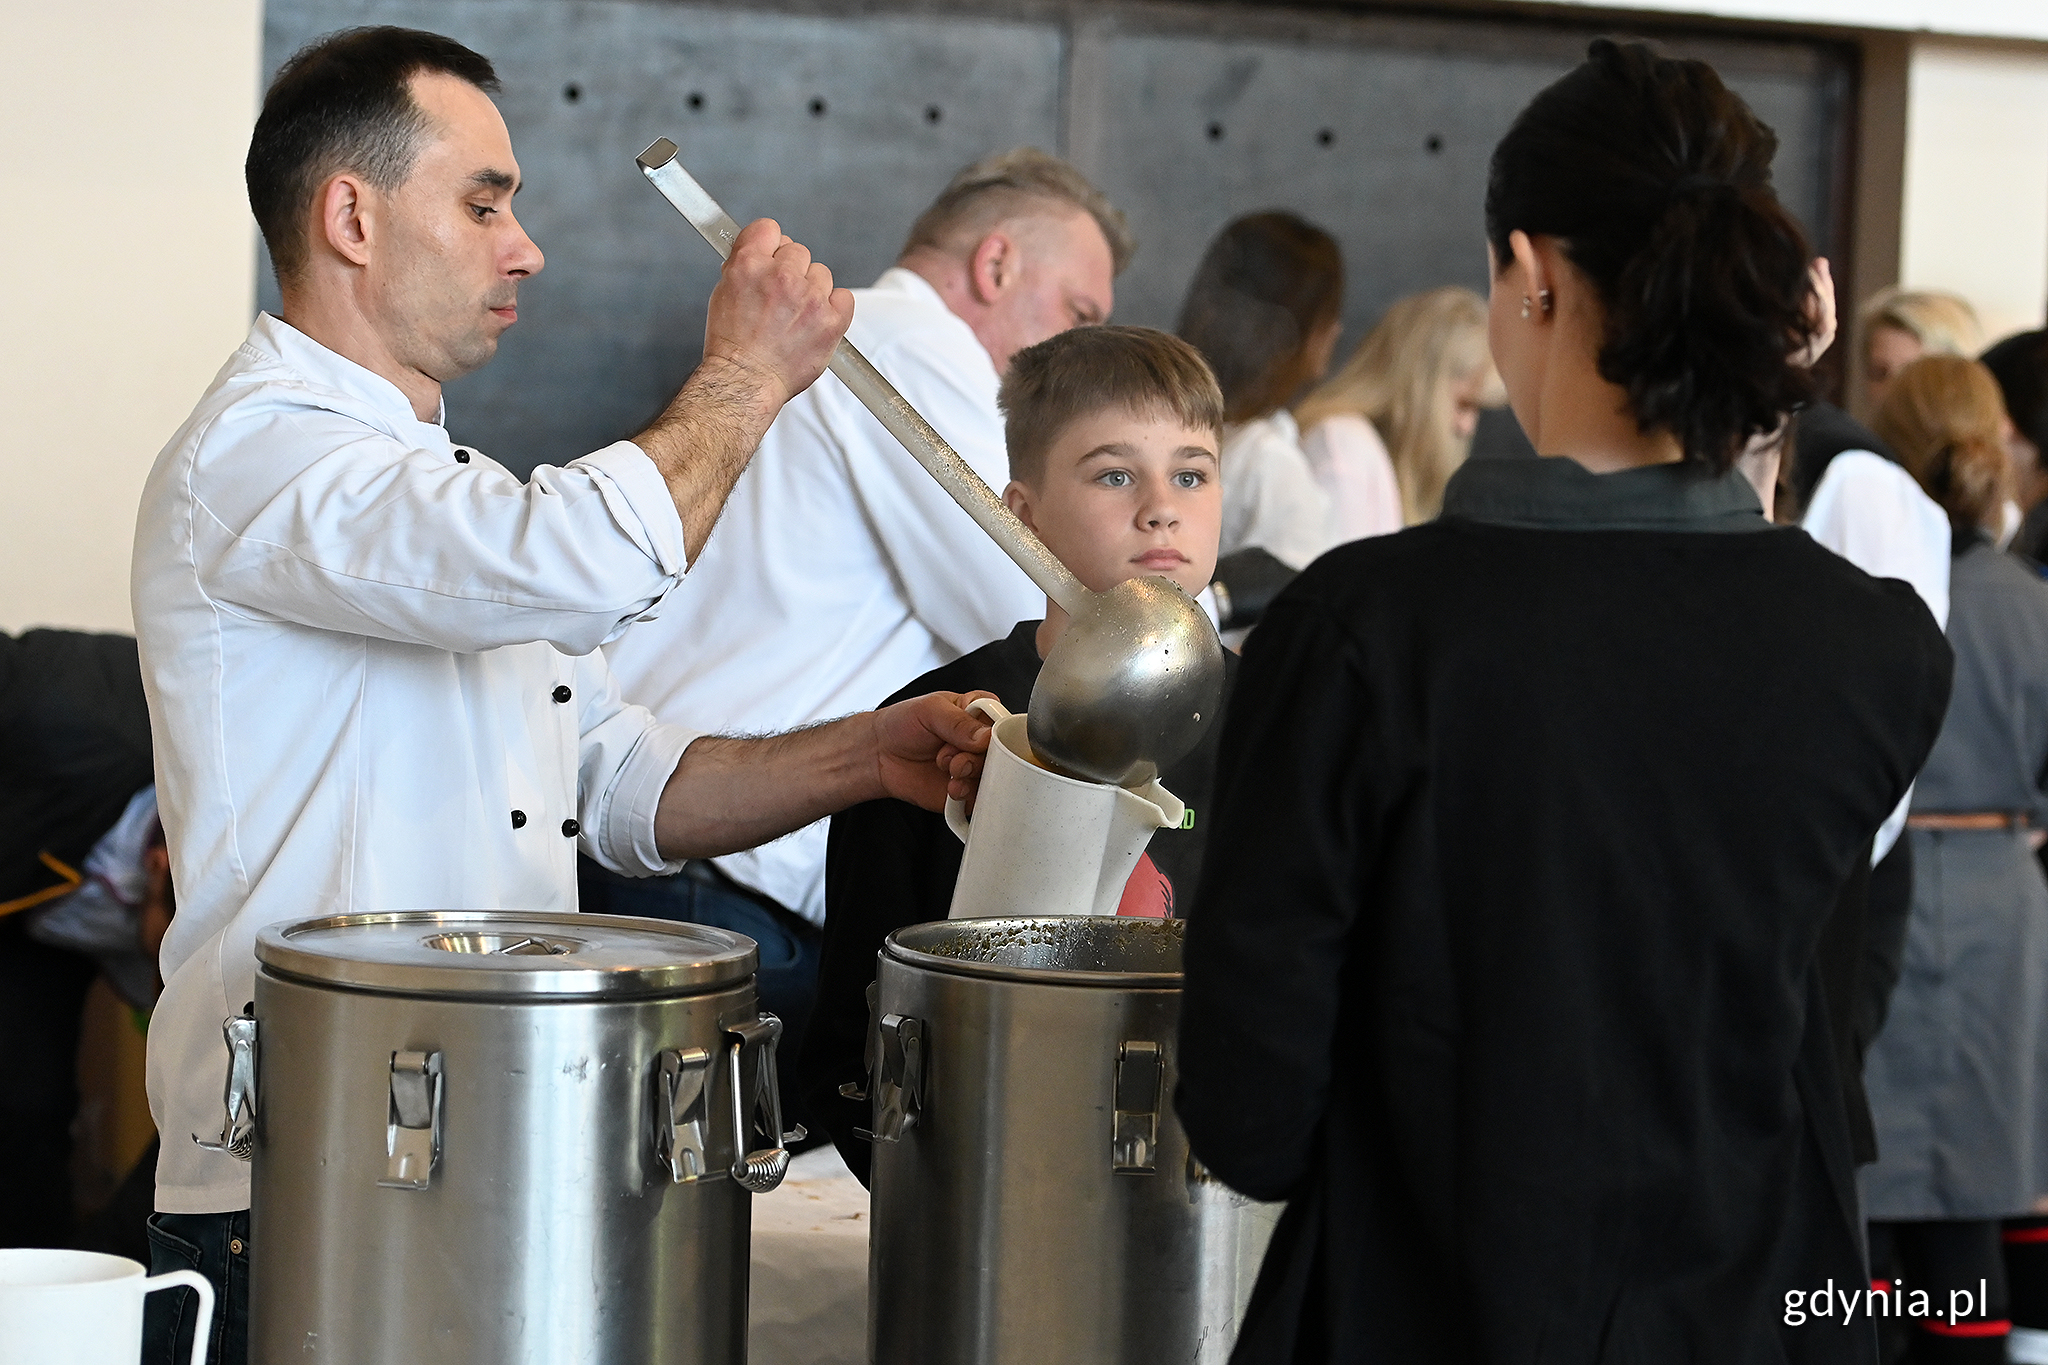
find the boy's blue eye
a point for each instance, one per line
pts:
(1116, 478)
(1189, 478)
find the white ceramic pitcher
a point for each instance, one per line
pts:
(83, 1307)
(1043, 844)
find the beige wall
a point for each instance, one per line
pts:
(1973, 217)
(127, 267)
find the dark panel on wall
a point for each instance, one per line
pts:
(823, 124)
(843, 121)
(1379, 131)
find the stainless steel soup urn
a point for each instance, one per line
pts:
(1034, 1197)
(485, 1138)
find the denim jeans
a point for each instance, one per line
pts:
(217, 1246)
(791, 946)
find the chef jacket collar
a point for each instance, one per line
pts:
(1556, 493)
(331, 369)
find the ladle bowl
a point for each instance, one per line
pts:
(1138, 674)
(1130, 685)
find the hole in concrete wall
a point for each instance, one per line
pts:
(1433, 144)
(1215, 132)
(1325, 138)
(572, 92)
(817, 108)
(932, 113)
(695, 101)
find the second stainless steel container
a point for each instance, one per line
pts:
(488, 1138)
(1034, 1196)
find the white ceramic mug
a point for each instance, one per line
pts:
(83, 1307)
(1043, 844)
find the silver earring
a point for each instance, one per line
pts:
(1525, 307)
(1543, 297)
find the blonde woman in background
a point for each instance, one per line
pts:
(1958, 1075)
(1386, 434)
(1900, 326)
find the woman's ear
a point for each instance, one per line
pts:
(1539, 274)
(1017, 498)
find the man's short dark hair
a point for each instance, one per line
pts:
(344, 103)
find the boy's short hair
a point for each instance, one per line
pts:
(1140, 370)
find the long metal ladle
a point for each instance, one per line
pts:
(1138, 673)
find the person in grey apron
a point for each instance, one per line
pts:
(1958, 1078)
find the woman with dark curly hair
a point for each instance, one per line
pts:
(1518, 996)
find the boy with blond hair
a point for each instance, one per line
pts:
(1112, 435)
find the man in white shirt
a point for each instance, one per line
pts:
(371, 654)
(840, 570)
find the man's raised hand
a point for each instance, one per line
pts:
(775, 315)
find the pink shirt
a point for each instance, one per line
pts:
(1350, 462)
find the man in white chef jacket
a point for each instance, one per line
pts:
(840, 569)
(371, 654)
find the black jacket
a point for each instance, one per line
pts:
(1519, 1005)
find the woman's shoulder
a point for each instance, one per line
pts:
(1782, 566)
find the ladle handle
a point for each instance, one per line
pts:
(879, 396)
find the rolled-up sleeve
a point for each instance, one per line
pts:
(373, 537)
(624, 760)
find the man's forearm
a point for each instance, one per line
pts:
(727, 794)
(702, 442)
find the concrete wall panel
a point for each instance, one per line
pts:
(843, 121)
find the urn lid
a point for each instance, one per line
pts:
(507, 955)
(1123, 952)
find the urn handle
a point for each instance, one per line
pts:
(898, 1084)
(682, 1119)
(1134, 1144)
(412, 1128)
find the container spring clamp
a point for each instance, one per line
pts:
(759, 1169)
(682, 1114)
(1134, 1146)
(412, 1131)
(898, 1086)
(238, 1128)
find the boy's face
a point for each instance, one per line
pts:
(1123, 496)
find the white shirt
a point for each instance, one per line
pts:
(1270, 495)
(840, 571)
(1352, 466)
(353, 642)
(1874, 514)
